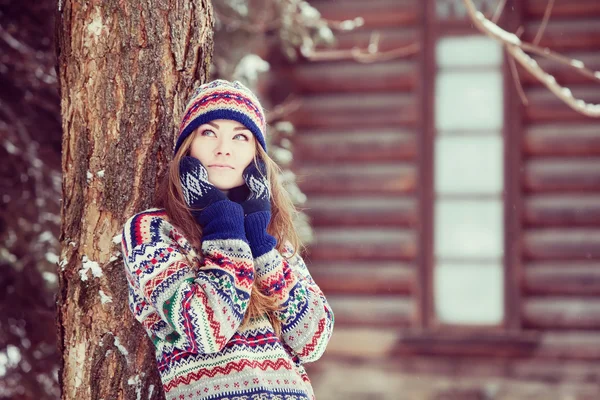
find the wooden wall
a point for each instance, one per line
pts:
(356, 154)
(561, 186)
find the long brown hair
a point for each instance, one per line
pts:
(170, 197)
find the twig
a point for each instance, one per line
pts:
(547, 53)
(288, 106)
(545, 20)
(498, 11)
(515, 75)
(369, 55)
(514, 46)
(254, 27)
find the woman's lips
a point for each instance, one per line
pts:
(218, 166)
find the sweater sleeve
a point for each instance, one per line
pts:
(307, 319)
(203, 306)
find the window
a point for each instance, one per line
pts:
(468, 266)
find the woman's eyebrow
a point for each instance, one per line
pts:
(237, 128)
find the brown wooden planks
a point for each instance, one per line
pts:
(363, 278)
(562, 244)
(562, 278)
(561, 313)
(567, 35)
(371, 311)
(564, 175)
(372, 245)
(535, 9)
(563, 140)
(353, 179)
(397, 12)
(349, 76)
(334, 111)
(568, 210)
(362, 211)
(360, 145)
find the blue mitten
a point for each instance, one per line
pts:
(257, 209)
(219, 217)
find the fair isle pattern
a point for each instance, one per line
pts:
(259, 188)
(192, 311)
(194, 182)
(307, 319)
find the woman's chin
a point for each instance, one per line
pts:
(224, 186)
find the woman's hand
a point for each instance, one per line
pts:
(255, 176)
(257, 209)
(198, 192)
(218, 217)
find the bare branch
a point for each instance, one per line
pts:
(545, 20)
(547, 53)
(369, 55)
(288, 106)
(514, 46)
(255, 27)
(498, 11)
(517, 81)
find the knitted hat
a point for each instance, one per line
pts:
(221, 99)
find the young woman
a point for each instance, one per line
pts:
(214, 273)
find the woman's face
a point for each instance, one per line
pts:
(225, 147)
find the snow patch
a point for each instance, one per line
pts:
(95, 27)
(150, 391)
(120, 347)
(51, 258)
(351, 24)
(497, 31)
(89, 265)
(249, 68)
(46, 236)
(11, 148)
(551, 80)
(577, 64)
(50, 277)
(100, 174)
(566, 92)
(117, 239)
(89, 176)
(137, 382)
(104, 298)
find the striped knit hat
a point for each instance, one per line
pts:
(221, 99)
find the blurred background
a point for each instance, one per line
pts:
(451, 202)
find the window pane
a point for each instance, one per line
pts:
(469, 100)
(471, 165)
(469, 293)
(468, 51)
(468, 228)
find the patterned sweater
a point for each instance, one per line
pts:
(192, 307)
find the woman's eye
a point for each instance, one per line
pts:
(240, 136)
(208, 132)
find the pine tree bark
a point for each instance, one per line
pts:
(125, 70)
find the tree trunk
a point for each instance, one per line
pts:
(125, 70)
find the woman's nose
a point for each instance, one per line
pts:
(222, 148)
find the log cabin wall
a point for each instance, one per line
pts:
(372, 201)
(561, 178)
(355, 156)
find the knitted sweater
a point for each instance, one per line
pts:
(192, 307)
